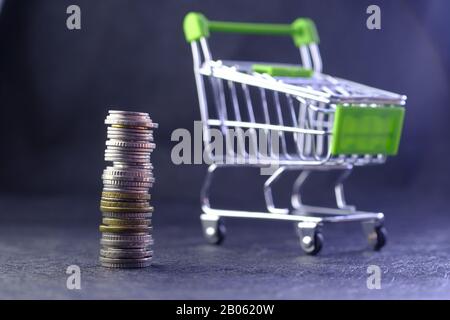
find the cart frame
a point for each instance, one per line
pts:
(312, 105)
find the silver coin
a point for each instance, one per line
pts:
(137, 237)
(121, 176)
(119, 188)
(129, 178)
(127, 184)
(130, 152)
(131, 160)
(127, 168)
(127, 222)
(127, 215)
(140, 117)
(127, 155)
(136, 161)
(132, 138)
(130, 113)
(127, 115)
(143, 122)
(126, 165)
(125, 199)
(128, 172)
(125, 244)
(121, 144)
(129, 133)
(122, 188)
(115, 253)
(126, 150)
(118, 193)
(127, 136)
(116, 144)
(125, 263)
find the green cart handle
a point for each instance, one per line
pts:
(303, 30)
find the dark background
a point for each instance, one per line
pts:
(56, 86)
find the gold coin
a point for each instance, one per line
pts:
(125, 202)
(119, 204)
(126, 222)
(125, 229)
(126, 195)
(125, 127)
(122, 209)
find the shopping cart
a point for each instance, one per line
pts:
(286, 118)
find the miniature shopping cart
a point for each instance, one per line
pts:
(298, 119)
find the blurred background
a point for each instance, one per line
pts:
(56, 86)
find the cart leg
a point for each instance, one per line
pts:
(268, 192)
(296, 199)
(339, 191)
(311, 238)
(376, 234)
(213, 228)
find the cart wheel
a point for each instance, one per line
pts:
(312, 246)
(377, 238)
(376, 234)
(311, 238)
(213, 229)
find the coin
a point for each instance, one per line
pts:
(138, 236)
(134, 137)
(125, 145)
(126, 195)
(126, 244)
(127, 173)
(127, 165)
(127, 215)
(126, 158)
(116, 253)
(130, 113)
(126, 222)
(124, 229)
(135, 122)
(127, 227)
(124, 189)
(127, 184)
(125, 263)
(122, 209)
(126, 205)
(129, 178)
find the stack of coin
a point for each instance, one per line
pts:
(125, 204)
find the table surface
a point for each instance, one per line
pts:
(41, 237)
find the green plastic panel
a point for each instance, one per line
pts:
(364, 130)
(283, 71)
(303, 30)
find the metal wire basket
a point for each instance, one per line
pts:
(288, 117)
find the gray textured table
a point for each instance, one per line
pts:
(41, 237)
